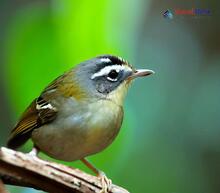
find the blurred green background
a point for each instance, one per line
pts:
(169, 142)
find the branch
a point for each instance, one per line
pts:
(21, 169)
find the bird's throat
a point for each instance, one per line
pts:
(117, 96)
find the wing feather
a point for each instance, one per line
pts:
(35, 116)
(41, 111)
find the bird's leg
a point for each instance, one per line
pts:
(105, 182)
(34, 152)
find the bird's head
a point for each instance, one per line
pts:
(107, 77)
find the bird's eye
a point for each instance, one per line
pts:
(113, 75)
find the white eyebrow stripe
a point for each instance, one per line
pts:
(107, 69)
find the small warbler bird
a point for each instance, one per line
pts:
(80, 113)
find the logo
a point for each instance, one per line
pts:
(193, 12)
(187, 12)
(168, 14)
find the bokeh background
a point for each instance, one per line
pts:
(169, 142)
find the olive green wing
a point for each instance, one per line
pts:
(39, 112)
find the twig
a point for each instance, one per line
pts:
(21, 169)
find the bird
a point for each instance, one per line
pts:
(80, 113)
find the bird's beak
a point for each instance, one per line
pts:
(140, 73)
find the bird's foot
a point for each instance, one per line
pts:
(105, 182)
(34, 152)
